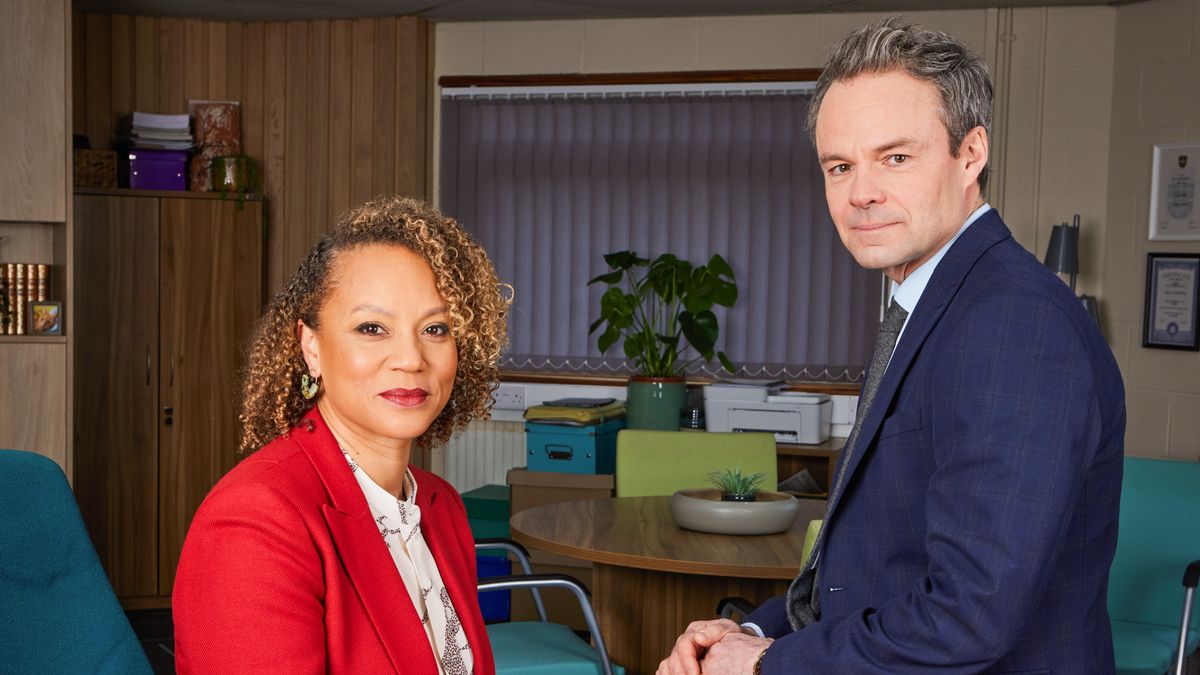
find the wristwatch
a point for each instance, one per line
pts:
(758, 662)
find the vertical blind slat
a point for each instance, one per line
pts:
(548, 185)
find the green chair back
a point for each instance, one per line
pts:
(810, 538)
(1159, 535)
(58, 613)
(653, 463)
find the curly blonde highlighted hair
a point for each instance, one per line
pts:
(271, 400)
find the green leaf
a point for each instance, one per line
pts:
(608, 338)
(596, 324)
(735, 482)
(612, 303)
(609, 278)
(703, 333)
(725, 295)
(719, 267)
(664, 277)
(621, 260)
(725, 362)
(697, 301)
(633, 345)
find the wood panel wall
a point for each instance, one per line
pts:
(335, 112)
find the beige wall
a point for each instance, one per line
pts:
(1053, 69)
(1074, 87)
(1156, 99)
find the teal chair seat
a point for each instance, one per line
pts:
(1146, 649)
(58, 613)
(542, 648)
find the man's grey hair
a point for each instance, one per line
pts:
(961, 77)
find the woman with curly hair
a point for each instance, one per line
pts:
(325, 550)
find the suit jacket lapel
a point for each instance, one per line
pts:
(984, 233)
(364, 555)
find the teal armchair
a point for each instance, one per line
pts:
(541, 647)
(1159, 542)
(58, 613)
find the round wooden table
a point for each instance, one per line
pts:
(651, 577)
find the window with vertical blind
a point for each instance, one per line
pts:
(549, 180)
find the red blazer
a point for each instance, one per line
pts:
(284, 570)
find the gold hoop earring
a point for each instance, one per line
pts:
(309, 386)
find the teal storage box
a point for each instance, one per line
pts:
(572, 449)
(488, 511)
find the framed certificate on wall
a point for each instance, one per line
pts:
(1174, 205)
(1172, 287)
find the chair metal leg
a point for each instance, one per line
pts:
(522, 555)
(1190, 579)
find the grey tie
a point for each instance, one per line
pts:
(803, 607)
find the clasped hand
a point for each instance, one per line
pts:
(722, 645)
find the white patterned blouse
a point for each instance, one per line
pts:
(399, 522)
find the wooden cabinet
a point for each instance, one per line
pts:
(33, 110)
(35, 223)
(167, 292)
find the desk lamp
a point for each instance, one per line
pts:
(1062, 257)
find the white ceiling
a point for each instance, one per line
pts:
(527, 10)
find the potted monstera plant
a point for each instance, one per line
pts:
(657, 309)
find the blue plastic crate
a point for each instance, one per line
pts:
(495, 605)
(570, 449)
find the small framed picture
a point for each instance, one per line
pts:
(1174, 198)
(45, 318)
(1172, 287)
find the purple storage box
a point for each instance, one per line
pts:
(157, 169)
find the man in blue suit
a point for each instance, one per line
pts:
(973, 518)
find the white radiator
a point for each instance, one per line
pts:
(483, 453)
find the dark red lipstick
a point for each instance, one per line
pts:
(407, 398)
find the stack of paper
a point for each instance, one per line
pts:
(157, 132)
(576, 411)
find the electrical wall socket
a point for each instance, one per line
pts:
(510, 397)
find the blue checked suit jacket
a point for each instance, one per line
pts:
(979, 517)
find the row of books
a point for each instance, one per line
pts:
(21, 283)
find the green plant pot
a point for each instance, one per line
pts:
(655, 402)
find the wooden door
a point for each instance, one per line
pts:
(33, 398)
(116, 385)
(33, 110)
(211, 287)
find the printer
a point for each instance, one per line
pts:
(792, 416)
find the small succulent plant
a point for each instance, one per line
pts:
(736, 486)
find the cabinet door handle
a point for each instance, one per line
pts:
(171, 374)
(147, 365)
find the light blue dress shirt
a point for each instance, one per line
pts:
(908, 293)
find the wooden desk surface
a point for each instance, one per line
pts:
(638, 532)
(829, 448)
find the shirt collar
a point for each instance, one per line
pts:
(908, 293)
